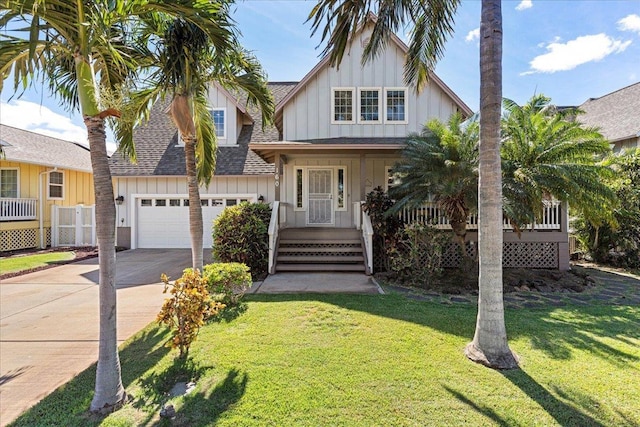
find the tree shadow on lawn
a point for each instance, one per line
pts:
(69, 404)
(565, 414)
(557, 332)
(204, 408)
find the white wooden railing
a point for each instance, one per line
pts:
(430, 214)
(274, 229)
(357, 215)
(367, 237)
(18, 209)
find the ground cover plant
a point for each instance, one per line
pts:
(309, 360)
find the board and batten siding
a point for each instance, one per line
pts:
(77, 188)
(308, 115)
(233, 120)
(127, 186)
(375, 176)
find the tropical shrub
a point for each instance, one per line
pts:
(240, 234)
(417, 258)
(227, 282)
(617, 244)
(187, 309)
(387, 228)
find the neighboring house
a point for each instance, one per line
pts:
(36, 173)
(337, 133)
(617, 114)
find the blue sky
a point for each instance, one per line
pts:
(570, 50)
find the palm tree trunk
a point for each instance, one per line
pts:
(195, 208)
(489, 345)
(109, 392)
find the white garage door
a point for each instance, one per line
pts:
(163, 222)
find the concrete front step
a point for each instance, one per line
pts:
(320, 267)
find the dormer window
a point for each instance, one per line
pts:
(219, 121)
(342, 103)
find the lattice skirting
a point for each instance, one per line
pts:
(514, 255)
(12, 240)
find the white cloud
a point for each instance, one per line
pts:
(472, 35)
(37, 118)
(524, 4)
(630, 23)
(40, 119)
(567, 56)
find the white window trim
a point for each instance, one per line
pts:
(64, 180)
(225, 123)
(333, 106)
(380, 110)
(406, 106)
(345, 188)
(17, 179)
(305, 189)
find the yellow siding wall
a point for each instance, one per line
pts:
(78, 189)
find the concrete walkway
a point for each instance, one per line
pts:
(49, 320)
(325, 283)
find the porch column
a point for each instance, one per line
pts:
(363, 177)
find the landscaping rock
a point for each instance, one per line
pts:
(168, 411)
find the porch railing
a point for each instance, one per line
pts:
(429, 214)
(274, 229)
(367, 237)
(18, 209)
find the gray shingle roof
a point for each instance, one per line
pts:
(29, 147)
(617, 114)
(158, 153)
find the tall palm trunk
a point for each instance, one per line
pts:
(489, 345)
(195, 208)
(109, 392)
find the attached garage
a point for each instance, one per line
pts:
(162, 221)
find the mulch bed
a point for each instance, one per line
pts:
(455, 281)
(81, 253)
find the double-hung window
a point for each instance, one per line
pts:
(395, 105)
(369, 105)
(56, 185)
(342, 105)
(9, 183)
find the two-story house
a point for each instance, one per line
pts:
(337, 133)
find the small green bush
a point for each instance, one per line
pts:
(187, 309)
(227, 282)
(240, 234)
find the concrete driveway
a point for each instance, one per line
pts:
(49, 320)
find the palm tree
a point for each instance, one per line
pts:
(82, 49)
(547, 153)
(441, 162)
(433, 22)
(187, 59)
(489, 345)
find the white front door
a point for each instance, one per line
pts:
(320, 197)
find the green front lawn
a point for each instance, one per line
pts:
(332, 360)
(28, 262)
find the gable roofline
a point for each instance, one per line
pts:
(234, 99)
(325, 60)
(29, 147)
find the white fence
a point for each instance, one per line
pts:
(429, 214)
(73, 226)
(18, 209)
